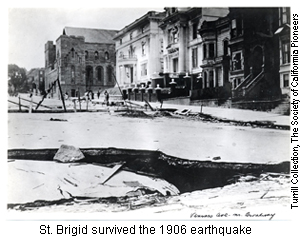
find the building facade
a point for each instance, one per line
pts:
(82, 60)
(241, 55)
(283, 32)
(183, 49)
(139, 47)
(215, 63)
(36, 80)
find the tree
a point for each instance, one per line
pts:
(17, 78)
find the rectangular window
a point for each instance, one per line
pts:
(237, 61)
(284, 15)
(285, 51)
(195, 30)
(211, 50)
(194, 57)
(236, 27)
(143, 49)
(173, 35)
(144, 69)
(225, 48)
(175, 65)
(170, 36)
(204, 51)
(211, 79)
(286, 82)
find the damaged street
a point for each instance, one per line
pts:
(150, 161)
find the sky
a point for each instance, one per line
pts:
(30, 28)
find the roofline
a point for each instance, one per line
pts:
(149, 15)
(101, 29)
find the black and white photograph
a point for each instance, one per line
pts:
(182, 113)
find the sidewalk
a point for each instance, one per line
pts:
(219, 112)
(230, 113)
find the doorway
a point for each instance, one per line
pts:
(89, 77)
(257, 60)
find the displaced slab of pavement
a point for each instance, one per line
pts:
(49, 181)
(229, 113)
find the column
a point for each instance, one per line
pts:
(215, 77)
(182, 49)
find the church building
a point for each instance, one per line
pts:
(82, 60)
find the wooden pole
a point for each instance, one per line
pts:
(79, 100)
(74, 105)
(62, 97)
(20, 109)
(36, 103)
(30, 104)
(17, 104)
(120, 89)
(87, 103)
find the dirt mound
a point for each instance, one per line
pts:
(162, 114)
(135, 114)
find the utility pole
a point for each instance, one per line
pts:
(62, 97)
(120, 89)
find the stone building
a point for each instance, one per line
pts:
(36, 80)
(139, 48)
(82, 59)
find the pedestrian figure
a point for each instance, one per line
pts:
(87, 97)
(98, 93)
(106, 97)
(90, 95)
(66, 96)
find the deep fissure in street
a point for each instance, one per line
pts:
(186, 175)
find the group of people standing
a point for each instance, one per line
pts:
(90, 95)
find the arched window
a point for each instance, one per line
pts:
(100, 73)
(96, 55)
(106, 55)
(86, 55)
(72, 74)
(72, 52)
(109, 71)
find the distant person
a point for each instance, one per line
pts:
(98, 93)
(66, 96)
(90, 95)
(87, 96)
(30, 93)
(106, 94)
